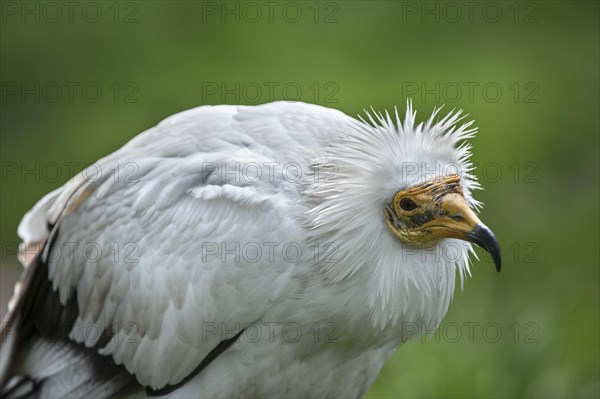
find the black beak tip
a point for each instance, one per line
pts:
(484, 237)
(498, 263)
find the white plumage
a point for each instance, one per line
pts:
(261, 223)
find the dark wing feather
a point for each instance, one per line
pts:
(38, 358)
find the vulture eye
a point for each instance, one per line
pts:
(408, 205)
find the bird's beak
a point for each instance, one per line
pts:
(459, 221)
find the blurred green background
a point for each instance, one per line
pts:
(79, 81)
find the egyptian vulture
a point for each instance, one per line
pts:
(279, 250)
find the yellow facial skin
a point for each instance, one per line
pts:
(424, 214)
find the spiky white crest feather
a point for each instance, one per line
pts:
(372, 162)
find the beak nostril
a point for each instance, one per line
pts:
(458, 218)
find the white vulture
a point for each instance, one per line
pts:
(279, 250)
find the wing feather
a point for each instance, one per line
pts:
(151, 248)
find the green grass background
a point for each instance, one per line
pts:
(541, 135)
